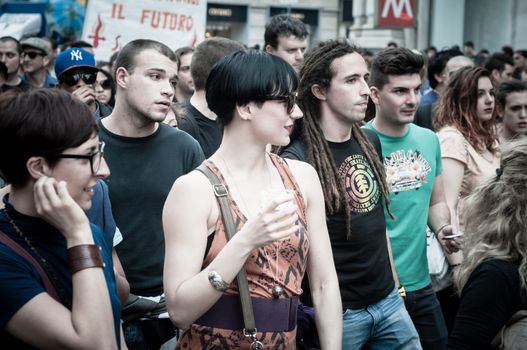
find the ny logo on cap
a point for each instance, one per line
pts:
(76, 55)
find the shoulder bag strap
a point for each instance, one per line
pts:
(220, 191)
(50, 289)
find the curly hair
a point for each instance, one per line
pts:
(458, 108)
(497, 212)
(317, 70)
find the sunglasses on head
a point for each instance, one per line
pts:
(289, 99)
(73, 79)
(32, 54)
(106, 84)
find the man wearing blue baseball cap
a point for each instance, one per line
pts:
(77, 73)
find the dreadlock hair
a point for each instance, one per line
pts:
(317, 70)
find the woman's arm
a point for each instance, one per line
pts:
(90, 323)
(453, 171)
(187, 289)
(452, 178)
(323, 280)
(123, 287)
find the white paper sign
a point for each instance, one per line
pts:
(109, 25)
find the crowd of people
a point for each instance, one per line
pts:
(225, 197)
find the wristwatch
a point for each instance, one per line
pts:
(217, 282)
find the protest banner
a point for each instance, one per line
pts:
(109, 25)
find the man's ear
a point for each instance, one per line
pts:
(269, 49)
(45, 60)
(319, 92)
(121, 77)
(38, 167)
(496, 75)
(440, 78)
(499, 109)
(374, 94)
(245, 112)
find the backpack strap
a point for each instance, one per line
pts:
(50, 289)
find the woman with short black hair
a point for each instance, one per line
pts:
(278, 237)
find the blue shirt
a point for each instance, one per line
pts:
(49, 80)
(430, 97)
(20, 281)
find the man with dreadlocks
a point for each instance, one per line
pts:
(333, 94)
(412, 159)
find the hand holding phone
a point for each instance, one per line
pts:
(454, 235)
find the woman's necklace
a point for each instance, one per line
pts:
(51, 273)
(277, 290)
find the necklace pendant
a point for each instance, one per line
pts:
(277, 291)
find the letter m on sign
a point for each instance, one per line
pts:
(396, 13)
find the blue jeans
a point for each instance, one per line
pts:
(383, 325)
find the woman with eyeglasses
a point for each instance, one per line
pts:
(57, 284)
(278, 210)
(105, 88)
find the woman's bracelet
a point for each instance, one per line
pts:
(441, 229)
(84, 256)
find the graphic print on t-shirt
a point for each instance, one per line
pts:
(360, 184)
(406, 171)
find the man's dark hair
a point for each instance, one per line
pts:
(238, 79)
(207, 54)
(317, 70)
(181, 52)
(283, 25)
(521, 52)
(394, 61)
(508, 87)
(438, 63)
(507, 50)
(392, 44)
(130, 51)
(469, 44)
(498, 61)
(80, 44)
(41, 122)
(10, 38)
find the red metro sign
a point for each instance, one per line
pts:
(397, 13)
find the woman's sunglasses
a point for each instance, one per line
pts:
(106, 84)
(290, 100)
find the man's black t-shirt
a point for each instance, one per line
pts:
(143, 170)
(362, 263)
(207, 132)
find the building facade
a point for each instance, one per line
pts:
(244, 21)
(490, 24)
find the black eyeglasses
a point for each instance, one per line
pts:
(105, 84)
(290, 100)
(94, 157)
(32, 54)
(73, 79)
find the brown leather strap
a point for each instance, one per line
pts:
(220, 191)
(84, 256)
(50, 289)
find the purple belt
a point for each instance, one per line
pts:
(270, 315)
